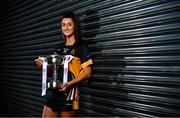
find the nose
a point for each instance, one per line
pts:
(66, 27)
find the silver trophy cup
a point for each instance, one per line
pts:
(54, 61)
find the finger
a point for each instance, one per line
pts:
(61, 89)
(39, 62)
(63, 85)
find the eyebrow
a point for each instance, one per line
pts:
(67, 23)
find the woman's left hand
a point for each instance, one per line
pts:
(63, 87)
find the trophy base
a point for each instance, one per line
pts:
(54, 85)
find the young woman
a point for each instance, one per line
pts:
(79, 70)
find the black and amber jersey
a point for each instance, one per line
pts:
(81, 59)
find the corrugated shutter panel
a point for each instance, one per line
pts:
(135, 45)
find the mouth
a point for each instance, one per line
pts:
(66, 31)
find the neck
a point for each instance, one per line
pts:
(70, 40)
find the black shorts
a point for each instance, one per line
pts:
(56, 100)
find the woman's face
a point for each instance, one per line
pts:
(67, 27)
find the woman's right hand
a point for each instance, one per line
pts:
(38, 62)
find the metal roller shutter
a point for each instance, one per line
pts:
(135, 45)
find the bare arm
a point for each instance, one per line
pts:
(87, 72)
(85, 75)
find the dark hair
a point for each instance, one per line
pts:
(77, 33)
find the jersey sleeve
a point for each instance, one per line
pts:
(86, 59)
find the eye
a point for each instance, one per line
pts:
(63, 25)
(70, 24)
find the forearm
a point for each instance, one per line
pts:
(85, 75)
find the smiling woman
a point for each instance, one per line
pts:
(68, 27)
(79, 70)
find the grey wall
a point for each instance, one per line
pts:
(135, 45)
